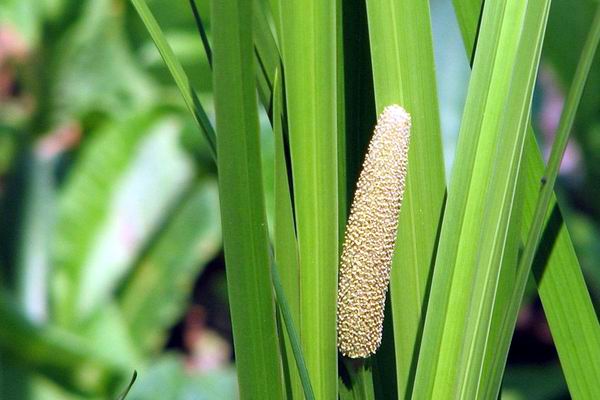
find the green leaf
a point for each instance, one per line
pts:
(104, 216)
(242, 203)
(356, 379)
(55, 353)
(508, 320)
(294, 340)
(285, 245)
(562, 53)
(169, 378)
(482, 202)
(265, 47)
(179, 76)
(308, 40)
(267, 54)
(342, 128)
(123, 395)
(201, 31)
(93, 69)
(561, 285)
(558, 150)
(108, 331)
(155, 295)
(403, 71)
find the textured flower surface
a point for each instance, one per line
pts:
(370, 236)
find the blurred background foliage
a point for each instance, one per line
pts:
(110, 243)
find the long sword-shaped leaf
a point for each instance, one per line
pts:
(179, 76)
(561, 285)
(478, 382)
(560, 143)
(309, 55)
(475, 240)
(265, 48)
(284, 241)
(267, 54)
(294, 339)
(498, 350)
(201, 31)
(243, 216)
(341, 120)
(403, 71)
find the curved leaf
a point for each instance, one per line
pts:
(105, 212)
(155, 295)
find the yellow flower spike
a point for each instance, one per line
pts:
(370, 236)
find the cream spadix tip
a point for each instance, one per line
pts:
(370, 236)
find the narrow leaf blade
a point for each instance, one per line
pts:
(243, 216)
(403, 72)
(308, 42)
(561, 284)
